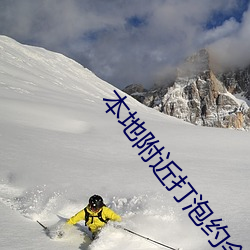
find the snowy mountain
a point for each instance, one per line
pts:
(201, 95)
(237, 81)
(59, 146)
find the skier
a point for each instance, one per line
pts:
(95, 214)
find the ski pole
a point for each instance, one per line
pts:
(45, 228)
(149, 239)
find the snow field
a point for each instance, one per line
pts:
(58, 147)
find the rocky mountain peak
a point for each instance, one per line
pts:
(196, 64)
(200, 96)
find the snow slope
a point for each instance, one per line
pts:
(59, 146)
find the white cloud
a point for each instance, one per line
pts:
(97, 33)
(233, 49)
(228, 28)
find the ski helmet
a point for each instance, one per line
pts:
(96, 202)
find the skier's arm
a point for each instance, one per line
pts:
(77, 217)
(110, 214)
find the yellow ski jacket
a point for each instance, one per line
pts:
(94, 223)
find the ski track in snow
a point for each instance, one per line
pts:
(43, 117)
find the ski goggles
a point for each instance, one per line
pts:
(94, 208)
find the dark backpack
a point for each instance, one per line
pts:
(88, 216)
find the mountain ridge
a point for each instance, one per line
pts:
(201, 95)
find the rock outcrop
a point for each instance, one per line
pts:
(199, 96)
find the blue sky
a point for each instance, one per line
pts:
(131, 41)
(218, 17)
